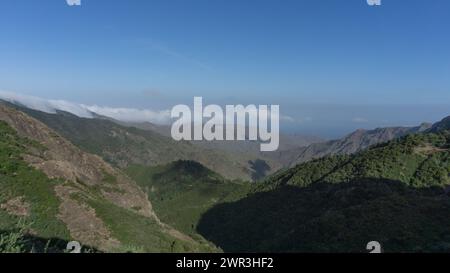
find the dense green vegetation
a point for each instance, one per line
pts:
(393, 193)
(183, 190)
(33, 188)
(325, 217)
(141, 234)
(419, 160)
(13, 241)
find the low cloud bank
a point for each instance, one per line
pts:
(87, 111)
(132, 114)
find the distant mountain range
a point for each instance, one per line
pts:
(352, 143)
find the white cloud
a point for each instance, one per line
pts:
(86, 111)
(48, 106)
(73, 2)
(131, 114)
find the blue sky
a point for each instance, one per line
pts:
(333, 65)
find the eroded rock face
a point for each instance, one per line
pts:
(62, 160)
(82, 222)
(84, 179)
(80, 173)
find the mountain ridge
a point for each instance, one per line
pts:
(356, 141)
(123, 146)
(89, 197)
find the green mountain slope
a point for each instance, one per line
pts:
(394, 193)
(352, 143)
(419, 160)
(442, 125)
(123, 146)
(183, 190)
(340, 217)
(25, 191)
(63, 193)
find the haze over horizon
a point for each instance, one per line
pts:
(333, 66)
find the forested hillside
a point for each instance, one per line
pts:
(394, 193)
